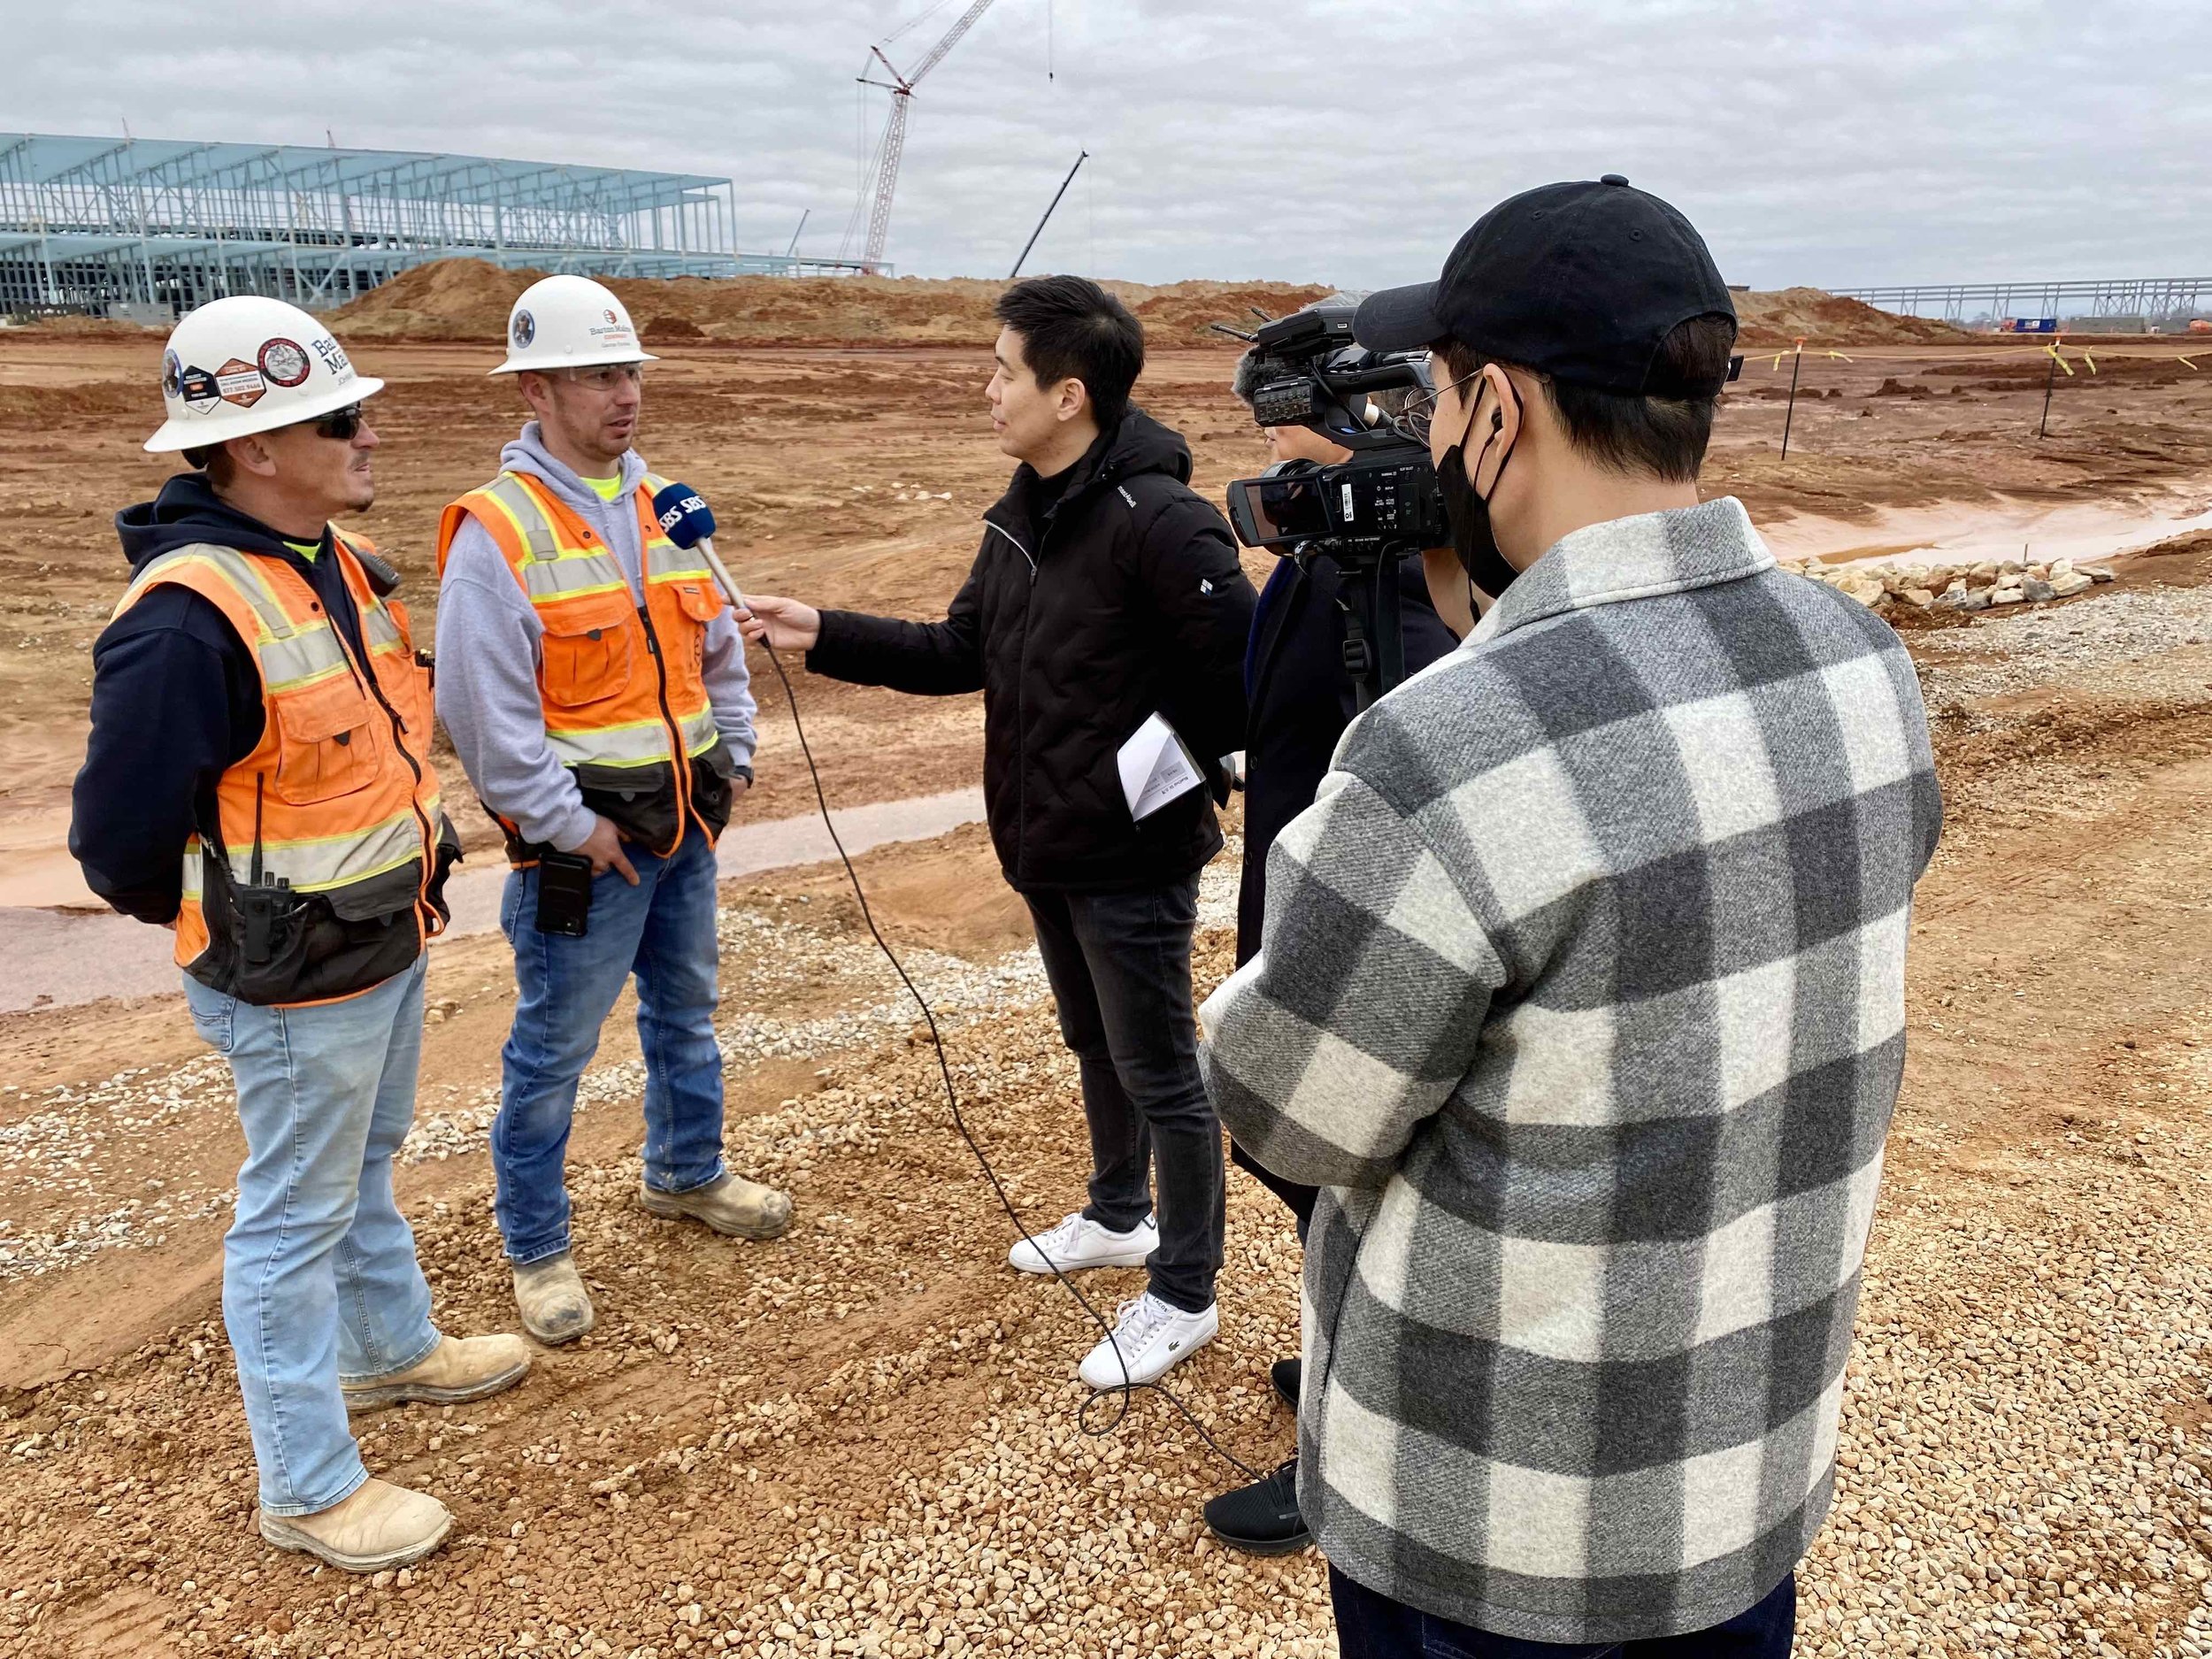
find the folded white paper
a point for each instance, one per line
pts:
(1155, 768)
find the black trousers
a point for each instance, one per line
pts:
(1370, 1625)
(1119, 967)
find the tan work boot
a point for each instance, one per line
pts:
(729, 1203)
(379, 1525)
(459, 1368)
(555, 1307)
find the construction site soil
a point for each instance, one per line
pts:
(864, 1438)
(468, 299)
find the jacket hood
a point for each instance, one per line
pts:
(188, 510)
(1140, 444)
(527, 453)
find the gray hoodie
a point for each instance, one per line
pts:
(487, 659)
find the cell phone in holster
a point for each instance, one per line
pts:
(564, 894)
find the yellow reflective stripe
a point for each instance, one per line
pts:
(513, 498)
(312, 659)
(228, 563)
(665, 562)
(577, 573)
(636, 743)
(292, 655)
(320, 863)
(379, 629)
(700, 732)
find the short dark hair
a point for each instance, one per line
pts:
(214, 460)
(1662, 436)
(1072, 329)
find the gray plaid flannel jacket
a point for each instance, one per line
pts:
(1581, 991)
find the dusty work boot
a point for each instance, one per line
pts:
(459, 1368)
(555, 1307)
(379, 1525)
(729, 1203)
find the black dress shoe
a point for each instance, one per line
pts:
(1286, 1374)
(1263, 1519)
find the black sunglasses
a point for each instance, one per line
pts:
(342, 425)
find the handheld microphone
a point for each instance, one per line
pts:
(686, 521)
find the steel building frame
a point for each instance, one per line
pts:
(162, 225)
(2154, 299)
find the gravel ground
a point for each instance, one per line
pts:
(865, 1440)
(2004, 654)
(62, 1145)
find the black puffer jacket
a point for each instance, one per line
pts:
(1125, 602)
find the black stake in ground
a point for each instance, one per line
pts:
(2050, 380)
(1789, 415)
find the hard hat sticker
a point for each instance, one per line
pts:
(525, 329)
(334, 356)
(171, 375)
(240, 383)
(282, 362)
(196, 387)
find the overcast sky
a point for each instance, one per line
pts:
(1825, 141)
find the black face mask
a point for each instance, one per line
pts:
(1472, 539)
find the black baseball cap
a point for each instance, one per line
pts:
(1580, 281)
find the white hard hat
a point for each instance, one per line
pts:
(568, 322)
(246, 364)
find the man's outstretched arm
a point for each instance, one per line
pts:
(1361, 1011)
(932, 658)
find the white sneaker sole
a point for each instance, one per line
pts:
(1139, 1379)
(1017, 1260)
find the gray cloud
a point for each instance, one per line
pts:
(1833, 141)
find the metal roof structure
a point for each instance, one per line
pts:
(162, 225)
(2152, 298)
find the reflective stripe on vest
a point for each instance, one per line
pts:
(632, 730)
(292, 653)
(334, 792)
(321, 864)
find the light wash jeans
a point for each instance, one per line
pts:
(320, 1283)
(661, 930)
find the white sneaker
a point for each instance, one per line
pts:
(1152, 1337)
(1078, 1243)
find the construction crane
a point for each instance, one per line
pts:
(883, 172)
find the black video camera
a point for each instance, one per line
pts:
(1310, 372)
(1365, 513)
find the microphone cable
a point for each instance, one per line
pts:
(1120, 1395)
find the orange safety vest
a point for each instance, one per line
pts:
(622, 685)
(323, 873)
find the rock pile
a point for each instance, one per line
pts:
(1991, 583)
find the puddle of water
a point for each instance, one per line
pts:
(1966, 532)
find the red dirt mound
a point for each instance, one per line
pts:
(1782, 317)
(468, 299)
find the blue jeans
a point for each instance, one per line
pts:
(662, 929)
(1371, 1625)
(320, 1284)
